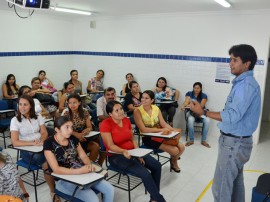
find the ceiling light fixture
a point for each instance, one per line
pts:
(223, 3)
(68, 10)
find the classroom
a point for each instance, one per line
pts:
(183, 41)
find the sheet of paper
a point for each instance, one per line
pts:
(138, 152)
(171, 135)
(92, 133)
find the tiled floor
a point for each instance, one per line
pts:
(197, 164)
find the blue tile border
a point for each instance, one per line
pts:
(118, 54)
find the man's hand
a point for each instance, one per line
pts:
(196, 108)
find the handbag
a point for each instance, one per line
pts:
(171, 141)
(45, 98)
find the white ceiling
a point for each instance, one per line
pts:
(136, 7)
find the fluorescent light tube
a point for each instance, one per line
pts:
(68, 10)
(223, 3)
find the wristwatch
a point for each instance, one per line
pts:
(205, 113)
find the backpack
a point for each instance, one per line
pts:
(261, 193)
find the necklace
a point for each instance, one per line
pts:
(58, 141)
(65, 155)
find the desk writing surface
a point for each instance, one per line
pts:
(92, 133)
(34, 149)
(81, 179)
(171, 135)
(121, 96)
(165, 102)
(96, 92)
(138, 152)
(8, 110)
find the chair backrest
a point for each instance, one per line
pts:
(94, 118)
(3, 105)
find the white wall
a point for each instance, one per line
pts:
(210, 34)
(38, 33)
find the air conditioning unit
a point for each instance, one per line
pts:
(32, 4)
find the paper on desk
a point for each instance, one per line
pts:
(81, 179)
(138, 152)
(171, 135)
(92, 133)
(34, 149)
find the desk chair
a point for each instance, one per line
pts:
(5, 119)
(127, 184)
(157, 153)
(34, 180)
(198, 125)
(67, 197)
(94, 119)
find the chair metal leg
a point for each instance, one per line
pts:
(35, 185)
(119, 178)
(5, 146)
(129, 197)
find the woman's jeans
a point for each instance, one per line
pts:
(87, 194)
(191, 120)
(228, 182)
(168, 112)
(151, 180)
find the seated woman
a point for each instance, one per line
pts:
(47, 83)
(117, 135)
(95, 85)
(198, 95)
(164, 92)
(10, 91)
(28, 129)
(65, 156)
(132, 99)
(37, 87)
(68, 89)
(39, 108)
(38, 90)
(149, 119)
(126, 88)
(10, 181)
(82, 126)
(77, 84)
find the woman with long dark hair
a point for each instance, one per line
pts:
(74, 79)
(28, 129)
(199, 96)
(10, 91)
(126, 89)
(117, 135)
(65, 155)
(164, 92)
(82, 126)
(149, 119)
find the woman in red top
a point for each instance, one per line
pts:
(117, 135)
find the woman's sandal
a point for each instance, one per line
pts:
(26, 196)
(55, 198)
(205, 144)
(189, 143)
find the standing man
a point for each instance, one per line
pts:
(238, 121)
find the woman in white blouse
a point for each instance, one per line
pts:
(28, 129)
